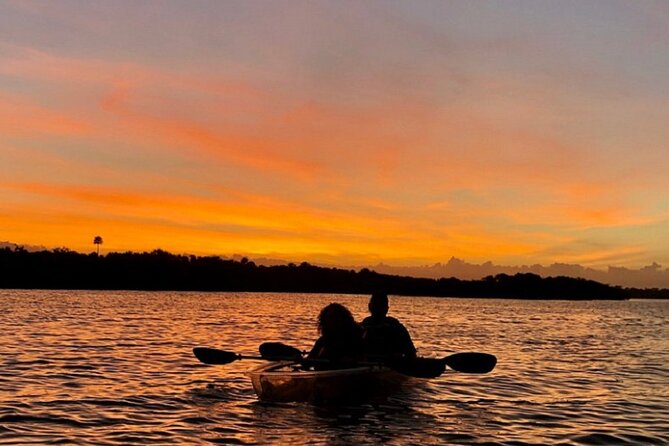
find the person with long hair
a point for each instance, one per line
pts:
(340, 340)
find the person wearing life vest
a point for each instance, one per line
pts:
(385, 337)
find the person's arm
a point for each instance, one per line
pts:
(316, 350)
(408, 349)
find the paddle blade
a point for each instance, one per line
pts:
(271, 350)
(420, 367)
(214, 355)
(471, 362)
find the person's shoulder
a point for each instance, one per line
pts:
(392, 321)
(367, 321)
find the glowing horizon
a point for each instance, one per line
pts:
(350, 133)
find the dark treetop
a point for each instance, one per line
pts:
(160, 270)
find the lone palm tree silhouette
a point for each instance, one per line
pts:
(98, 241)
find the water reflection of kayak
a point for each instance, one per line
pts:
(288, 381)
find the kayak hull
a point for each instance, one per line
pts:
(286, 381)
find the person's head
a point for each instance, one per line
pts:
(378, 305)
(335, 319)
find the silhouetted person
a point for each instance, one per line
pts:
(385, 337)
(341, 338)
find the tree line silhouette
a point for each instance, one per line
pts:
(159, 270)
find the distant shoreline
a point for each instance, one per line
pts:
(62, 269)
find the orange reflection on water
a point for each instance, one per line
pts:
(117, 366)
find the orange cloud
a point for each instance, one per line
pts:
(121, 80)
(19, 117)
(245, 150)
(31, 63)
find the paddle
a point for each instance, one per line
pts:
(471, 362)
(468, 362)
(214, 356)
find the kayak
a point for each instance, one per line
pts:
(288, 381)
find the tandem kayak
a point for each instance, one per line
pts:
(288, 381)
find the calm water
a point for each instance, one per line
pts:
(116, 368)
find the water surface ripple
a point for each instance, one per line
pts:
(115, 368)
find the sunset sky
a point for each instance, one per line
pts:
(340, 132)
